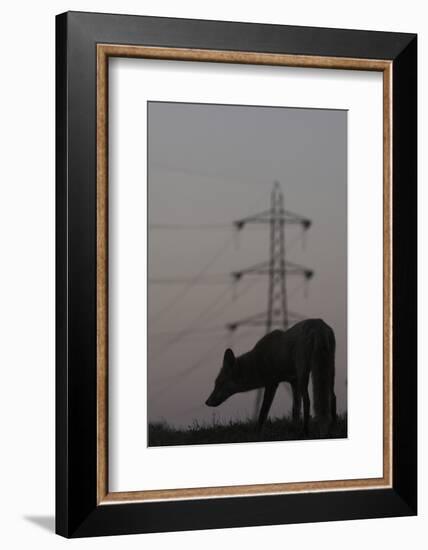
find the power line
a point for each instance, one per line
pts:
(187, 227)
(194, 227)
(197, 226)
(206, 330)
(198, 174)
(182, 333)
(182, 375)
(210, 280)
(212, 306)
(213, 279)
(187, 286)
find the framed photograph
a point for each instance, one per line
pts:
(236, 274)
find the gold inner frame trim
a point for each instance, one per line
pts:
(104, 51)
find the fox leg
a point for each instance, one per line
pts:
(268, 396)
(306, 409)
(297, 403)
(333, 407)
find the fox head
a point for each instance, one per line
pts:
(225, 384)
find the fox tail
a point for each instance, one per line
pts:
(323, 368)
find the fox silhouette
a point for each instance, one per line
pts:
(307, 348)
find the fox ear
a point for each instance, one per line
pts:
(229, 358)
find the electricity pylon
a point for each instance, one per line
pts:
(278, 268)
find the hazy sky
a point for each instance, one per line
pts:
(207, 166)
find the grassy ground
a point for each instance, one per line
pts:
(238, 432)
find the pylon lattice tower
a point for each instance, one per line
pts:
(278, 268)
(277, 287)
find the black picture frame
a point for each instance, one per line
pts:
(77, 511)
